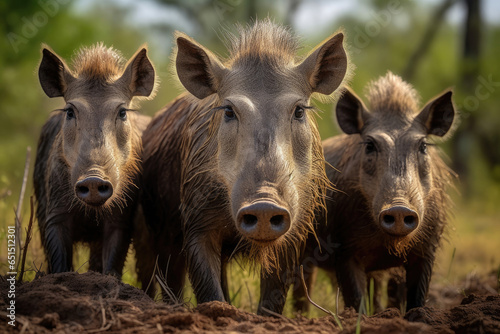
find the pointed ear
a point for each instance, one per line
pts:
(437, 116)
(139, 74)
(53, 73)
(351, 113)
(326, 65)
(199, 71)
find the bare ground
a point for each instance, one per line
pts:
(93, 303)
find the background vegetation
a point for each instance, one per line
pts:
(434, 44)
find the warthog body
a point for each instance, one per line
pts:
(391, 205)
(238, 167)
(88, 156)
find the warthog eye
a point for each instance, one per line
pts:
(370, 147)
(70, 113)
(299, 112)
(122, 113)
(423, 148)
(229, 113)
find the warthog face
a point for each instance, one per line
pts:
(269, 154)
(396, 158)
(98, 141)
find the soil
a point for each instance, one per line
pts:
(93, 303)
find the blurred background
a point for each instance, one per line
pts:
(433, 44)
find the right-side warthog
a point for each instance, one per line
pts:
(391, 205)
(237, 167)
(88, 155)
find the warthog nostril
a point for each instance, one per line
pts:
(277, 220)
(82, 190)
(94, 191)
(263, 221)
(410, 220)
(249, 220)
(398, 221)
(388, 219)
(103, 188)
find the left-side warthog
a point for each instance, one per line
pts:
(242, 158)
(88, 155)
(391, 205)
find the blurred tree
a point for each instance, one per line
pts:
(473, 60)
(209, 16)
(465, 136)
(429, 35)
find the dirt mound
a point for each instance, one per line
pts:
(92, 302)
(444, 296)
(476, 314)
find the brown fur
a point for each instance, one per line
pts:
(87, 140)
(190, 140)
(262, 41)
(98, 62)
(390, 94)
(356, 244)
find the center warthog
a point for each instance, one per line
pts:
(88, 155)
(391, 206)
(247, 151)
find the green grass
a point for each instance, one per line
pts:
(472, 243)
(361, 310)
(370, 308)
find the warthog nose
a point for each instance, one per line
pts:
(263, 221)
(398, 221)
(94, 191)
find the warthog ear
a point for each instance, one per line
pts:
(326, 66)
(351, 112)
(198, 69)
(139, 74)
(437, 116)
(53, 73)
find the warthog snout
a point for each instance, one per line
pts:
(94, 191)
(398, 220)
(263, 221)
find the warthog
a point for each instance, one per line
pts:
(88, 155)
(391, 205)
(237, 167)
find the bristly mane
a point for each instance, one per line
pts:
(262, 40)
(98, 62)
(391, 94)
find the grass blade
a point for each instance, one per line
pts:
(20, 201)
(337, 320)
(451, 262)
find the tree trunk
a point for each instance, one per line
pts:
(464, 137)
(427, 39)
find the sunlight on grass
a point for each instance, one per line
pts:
(475, 235)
